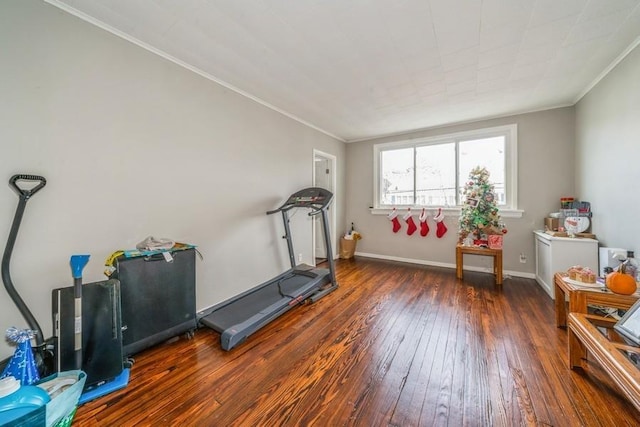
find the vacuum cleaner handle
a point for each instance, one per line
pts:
(23, 192)
(24, 195)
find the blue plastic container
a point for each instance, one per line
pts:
(21, 405)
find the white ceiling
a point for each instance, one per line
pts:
(357, 69)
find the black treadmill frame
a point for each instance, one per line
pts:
(320, 281)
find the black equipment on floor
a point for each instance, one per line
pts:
(242, 315)
(158, 298)
(102, 358)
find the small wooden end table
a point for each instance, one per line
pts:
(610, 352)
(474, 250)
(580, 297)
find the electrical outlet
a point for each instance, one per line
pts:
(523, 258)
(299, 257)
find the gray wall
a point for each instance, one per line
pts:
(545, 173)
(133, 145)
(608, 154)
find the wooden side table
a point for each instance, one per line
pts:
(580, 297)
(473, 250)
(612, 354)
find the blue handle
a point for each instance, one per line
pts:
(78, 263)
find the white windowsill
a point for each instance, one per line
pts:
(448, 211)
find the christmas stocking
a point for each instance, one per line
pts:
(424, 227)
(441, 228)
(393, 217)
(408, 218)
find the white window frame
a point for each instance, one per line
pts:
(510, 132)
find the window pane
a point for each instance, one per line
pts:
(486, 152)
(443, 162)
(396, 177)
(436, 175)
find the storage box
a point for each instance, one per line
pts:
(101, 330)
(158, 298)
(551, 224)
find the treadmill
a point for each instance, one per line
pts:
(242, 315)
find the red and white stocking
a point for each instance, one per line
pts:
(393, 217)
(408, 218)
(441, 228)
(424, 227)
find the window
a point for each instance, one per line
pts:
(433, 171)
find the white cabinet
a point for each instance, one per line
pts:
(554, 254)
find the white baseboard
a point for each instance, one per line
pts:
(445, 264)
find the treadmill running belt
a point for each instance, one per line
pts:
(232, 314)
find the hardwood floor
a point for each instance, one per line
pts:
(395, 345)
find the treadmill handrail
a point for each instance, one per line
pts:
(315, 210)
(297, 200)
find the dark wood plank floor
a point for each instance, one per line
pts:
(395, 345)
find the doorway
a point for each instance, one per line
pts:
(324, 176)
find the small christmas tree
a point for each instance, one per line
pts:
(479, 215)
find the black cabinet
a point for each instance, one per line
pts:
(101, 330)
(157, 297)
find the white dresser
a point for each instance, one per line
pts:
(554, 254)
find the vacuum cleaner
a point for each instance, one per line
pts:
(78, 262)
(26, 186)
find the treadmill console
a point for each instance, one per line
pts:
(314, 197)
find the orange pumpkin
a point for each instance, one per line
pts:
(621, 283)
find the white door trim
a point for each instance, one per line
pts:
(333, 208)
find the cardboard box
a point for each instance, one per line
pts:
(586, 235)
(557, 233)
(551, 224)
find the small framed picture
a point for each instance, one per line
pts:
(495, 241)
(472, 202)
(629, 325)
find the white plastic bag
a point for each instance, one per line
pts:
(155, 244)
